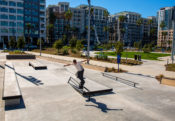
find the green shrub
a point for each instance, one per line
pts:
(65, 50)
(79, 45)
(58, 44)
(73, 51)
(20, 43)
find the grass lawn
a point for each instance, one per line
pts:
(147, 56)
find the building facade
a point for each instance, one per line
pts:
(78, 22)
(129, 30)
(165, 32)
(15, 14)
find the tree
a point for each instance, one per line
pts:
(106, 28)
(12, 42)
(73, 42)
(20, 43)
(29, 27)
(162, 26)
(79, 45)
(150, 22)
(136, 45)
(52, 17)
(119, 48)
(38, 42)
(164, 34)
(139, 23)
(68, 16)
(58, 44)
(50, 31)
(120, 19)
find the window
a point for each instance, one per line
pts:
(12, 24)
(4, 10)
(11, 17)
(11, 3)
(20, 11)
(2, 2)
(11, 10)
(4, 23)
(20, 4)
(3, 16)
(19, 17)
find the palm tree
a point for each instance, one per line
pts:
(139, 23)
(164, 34)
(68, 16)
(106, 28)
(162, 26)
(150, 22)
(29, 27)
(50, 30)
(120, 19)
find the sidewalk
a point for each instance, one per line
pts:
(148, 68)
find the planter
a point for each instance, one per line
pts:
(10, 57)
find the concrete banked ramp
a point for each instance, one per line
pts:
(12, 94)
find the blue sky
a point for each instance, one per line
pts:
(144, 7)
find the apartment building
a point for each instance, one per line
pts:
(78, 22)
(165, 32)
(16, 14)
(129, 29)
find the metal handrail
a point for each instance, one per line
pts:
(116, 78)
(71, 78)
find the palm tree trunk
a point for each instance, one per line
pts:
(118, 30)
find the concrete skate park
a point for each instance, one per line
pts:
(47, 96)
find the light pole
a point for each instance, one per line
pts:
(40, 47)
(89, 32)
(173, 42)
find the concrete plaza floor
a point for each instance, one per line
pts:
(48, 97)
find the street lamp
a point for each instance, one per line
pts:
(173, 42)
(40, 47)
(89, 32)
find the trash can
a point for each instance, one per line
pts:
(139, 58)
(135, 57)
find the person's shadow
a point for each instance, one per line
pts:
(103, 107)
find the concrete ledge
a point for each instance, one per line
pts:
(20, 57)
(13, 101)
(91, 88)
(37, 65)
(12, 93)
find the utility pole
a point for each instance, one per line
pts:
(89, 32)
(173, 42)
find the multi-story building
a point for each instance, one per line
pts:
(78, 22)
(35, 15)
(165, 31)
(15, 14)
(129, 29)
(98, 23)
(11, 19)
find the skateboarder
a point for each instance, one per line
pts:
(80, 71)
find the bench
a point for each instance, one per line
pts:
(12, 93)
(37, 65)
